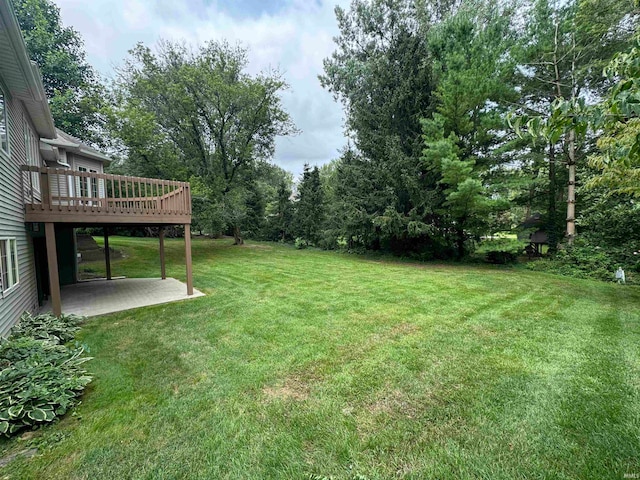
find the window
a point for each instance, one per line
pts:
(83, 183)
(32, 148)
(9, 271)
(87, 187)
(94, 185)
(4, 127)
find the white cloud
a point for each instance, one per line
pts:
(295, 40)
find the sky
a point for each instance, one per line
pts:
(293, 36)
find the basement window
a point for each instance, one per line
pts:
(9, 271)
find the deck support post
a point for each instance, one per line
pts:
(163, 271)
(52, 261)
(107, 252)
(187, 251)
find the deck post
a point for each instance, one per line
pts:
(187, 247)
(52, 261)
(163, 271)
(107, 252)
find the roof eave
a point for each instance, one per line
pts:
(36, 101)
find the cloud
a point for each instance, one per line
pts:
(293, 36)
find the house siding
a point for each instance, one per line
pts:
(23, 297)
(88, 163)
(76, 160)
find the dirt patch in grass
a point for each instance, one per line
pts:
(483, 331)
(27, 453)
(293, 388)
(395, 403)
(404, 329)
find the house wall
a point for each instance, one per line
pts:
(23, 297)
(88, 163)
(76, 161)
(63, 185)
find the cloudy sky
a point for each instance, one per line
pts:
(291, 35)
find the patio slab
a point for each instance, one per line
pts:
(98, 297)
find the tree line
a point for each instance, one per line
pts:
(463, 119)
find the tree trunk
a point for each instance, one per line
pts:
(460, 242)
(237, 237)
(571, 192)
(552, 236)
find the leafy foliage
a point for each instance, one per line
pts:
(423, 89)
(500, 250)
(586, 260)
(184, 114)
(40, 377)
(74, 91)
(618, 160)
(58, 330)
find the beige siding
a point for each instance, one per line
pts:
(24, 296)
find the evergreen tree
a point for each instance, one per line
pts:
(310, 206)
(283, 213)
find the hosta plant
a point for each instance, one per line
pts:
(47, 327)
(40, 377)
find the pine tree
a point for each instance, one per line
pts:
(284, 211)
(310, 207)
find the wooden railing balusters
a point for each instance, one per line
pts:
(87, 194)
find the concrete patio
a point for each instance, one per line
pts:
(97, 297)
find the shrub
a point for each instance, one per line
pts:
(40, 377)
(501, 250)
(585, 260)
(500, 257)
(328, 240)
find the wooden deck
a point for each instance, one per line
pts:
(68, 196)
(83, 198)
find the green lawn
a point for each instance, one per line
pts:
(301, 363)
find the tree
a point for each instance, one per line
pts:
(563, 51)
(618, 117)
(467, 201)
(396, 63)
(74, 92)
(462, 139)
(310, 206)
(282, 212)
(382, 73)
(202, 107)
(357, 198)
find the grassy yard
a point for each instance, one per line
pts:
(306, 364)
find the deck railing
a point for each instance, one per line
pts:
(52, 194)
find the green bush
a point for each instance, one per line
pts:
(508, 245)
(500, 250)
(500, 257)
(328, 240)
(40, 377)
(585, 260)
